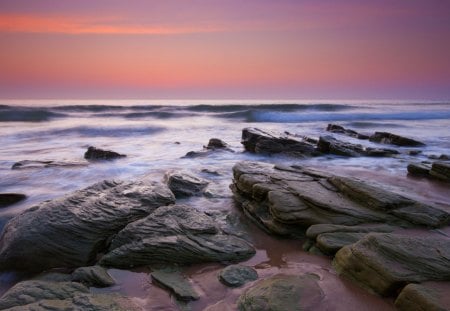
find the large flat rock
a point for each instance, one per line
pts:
(71, 231)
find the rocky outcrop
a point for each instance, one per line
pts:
(330, 145)
(31, 164)
(175, 234)
(177, 283)
(286, 200)
(258, 141)
(385, 262)
(237, 275)
(183, 184)
(7, 199)
(71, 231)
(283, 292)
(95, 154)
(421, 297)
(44, 295)
(93, 276)
(393, 139)
(338, 129)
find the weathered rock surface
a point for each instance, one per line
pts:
(175, 234)
(71, 231)
(177, 283)
(7, 199)
(420, 297)
(330, 145)
(283, 292)
(385, 262)
(184, 184)
(237, 275)
(93, 154)
(95, 276)
(258, 141)
(393, 139)
(338, 129)
(31, 164)
(287, 200)
(47, 296)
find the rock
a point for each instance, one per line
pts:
(385, 262)
(287, 200)
(442, 157)
(330, 243)
(216, 143)
(237, 275)
(389, 138)
(330, 145)
(95, 276)
(419, 169)
(7, 199)
(30, 164)
(283, 292)
(414, 152)
(213, 146)
(94, 154)
(419, 297)
(258, 141)
(334, 128)
(316, 230)
(177, 283)
(71, 231)
(440, 170)
(174, 234)
(44, 295)
(184, 184)
(53, 277)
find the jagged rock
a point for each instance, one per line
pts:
(330, 145)
(393, 139)
(385, 262)
(71, 231)
(258, 141)
(287, 200)
(420, 297)
(177, 283)
(184, 184)
(93, 276)
(7, 199)
(440, 170)
(93, 154)
(216, 143)
(50, 296)
(334, 128)
(283, 292)
(420, 169)
(175, 234)
(237, 275)
(31, 164)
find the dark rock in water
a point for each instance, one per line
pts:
(420, 297)
(420, 169)
(442, 157)
(99, 154)
(414, 152)
(216, 143)
(30, 164)
(258, 141)
(45, 295)
(287, 200)
(385, 262)
(330, 145)
(7, 199)
(71, 231)
(93, 276)
(393, 139)
(176, 283)
(237, 275)
(283, 292)
(440, 170)
(334, 128)
(174, 234)
(184, 185)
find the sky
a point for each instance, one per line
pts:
(225, 49)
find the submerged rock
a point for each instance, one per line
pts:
(93, 276)
(175, 234)
(71, 231)
(185, 185)
(99, 154)
(283, 292)
(334, 128)
(393, 139)
(237, 275)
(7, 199)
(31, 164)
(419, 297)
(176, 283)
(385, 262)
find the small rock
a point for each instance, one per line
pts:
(7, 199)
(184, 185)
(216, 143)
(99, 154)
(237, 275)
(414, 152)
(334, 128)
(393, 139)
(30, 164)
(95, 276)
(176, 283)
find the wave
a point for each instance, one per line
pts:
(27, 114)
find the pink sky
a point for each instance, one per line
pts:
(225, 49)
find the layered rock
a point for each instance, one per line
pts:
(393, 139)
(183, 184)
(95, 154)
(7, 199)
(176, 234)
(385, 262)
(330, 145)
(437, 170)
(420, 297)
(71, 231)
